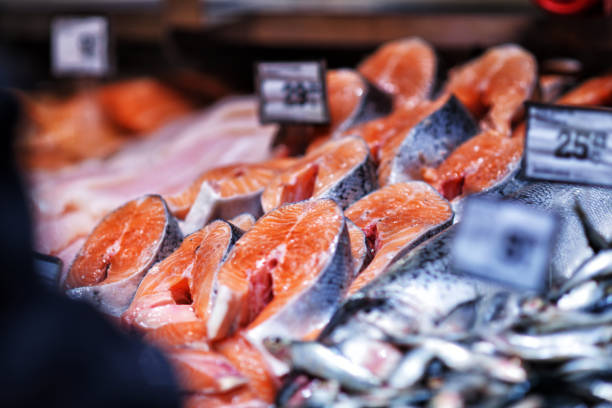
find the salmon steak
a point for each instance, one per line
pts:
(285, 275)
(495, 86)
(404, 68)
(169, 302)
(395, 219)
(224, 192)
(341, 170)
(477, 165)
(119, 252)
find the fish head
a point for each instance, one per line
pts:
(279, 347)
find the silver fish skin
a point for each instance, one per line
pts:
(598, 266)
(114, 298)
(321, 361)
(596, 214)
(411, 369)
(422, 284)
(555, 346)
(588, 366)
(572, 248)
(582, 296)
(432, 140)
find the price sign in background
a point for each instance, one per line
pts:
(292, 92)
(80, 46)
(506, 242)
(569, 144)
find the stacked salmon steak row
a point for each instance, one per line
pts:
(249, 251)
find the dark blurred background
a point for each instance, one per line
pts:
(218, 38)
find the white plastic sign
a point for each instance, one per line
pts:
(80, 46)
(569, 144)
(506, 242)
(292, 92)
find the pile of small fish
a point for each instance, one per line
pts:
(237, 274)
(424, 335)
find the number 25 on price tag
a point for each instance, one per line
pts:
(506, 242)
(80, 46)
(569, 144)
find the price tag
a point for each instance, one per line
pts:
(48, 269)
(80, 46)
(569, 144)
(506, 242)
(292, 92)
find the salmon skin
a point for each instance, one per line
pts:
(120, 250)
(341, 170)
(429, 142)
(285, 274)
(395, 219)
(176, 291)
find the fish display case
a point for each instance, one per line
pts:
(308, 203)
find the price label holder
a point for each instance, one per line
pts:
(568, 144)
(292, 92)
(80, 46)
(506, 242)
(47, 269)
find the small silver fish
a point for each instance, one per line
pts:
(598, 266)
(321, 361)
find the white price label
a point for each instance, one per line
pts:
(80, 45)
(292, 92)
(569, 144)
(506, 242)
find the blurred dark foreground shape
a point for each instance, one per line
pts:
(55, 352)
